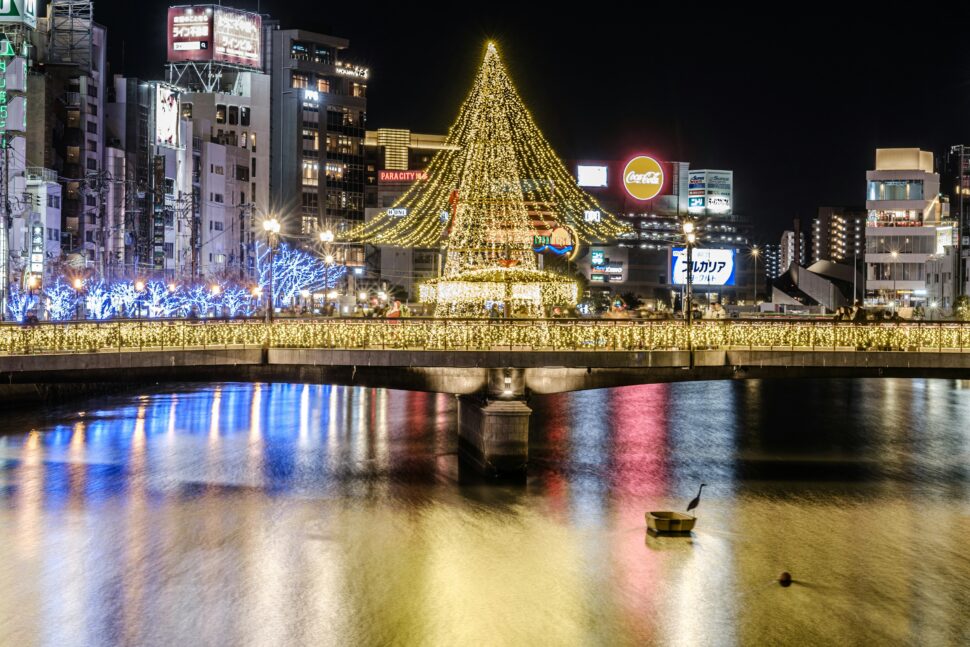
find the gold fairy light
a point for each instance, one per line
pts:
(481, 188)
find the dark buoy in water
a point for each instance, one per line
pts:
(785, 579)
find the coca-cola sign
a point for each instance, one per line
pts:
(643, 177)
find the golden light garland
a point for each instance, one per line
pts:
(527, 292)
(484, 187)
(482, 334)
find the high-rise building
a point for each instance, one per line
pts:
(906, 225)
(791, 251)
(394, 160)
(839, 234)
(644, 262)
(772, 261)
(68, 87)
(319, 106)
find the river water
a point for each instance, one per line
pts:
(240, 514)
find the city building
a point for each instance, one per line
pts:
(906, 225)
(394, 160)
(644, 263)
(218, 58)
(790, 252)
(153, 198)
(771, 255)
(68, 87)
(839, 235)
(319, 105)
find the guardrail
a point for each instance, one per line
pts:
(481, 334)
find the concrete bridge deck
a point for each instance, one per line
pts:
(492, 366)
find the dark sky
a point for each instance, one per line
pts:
(794, 104)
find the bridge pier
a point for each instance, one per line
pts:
(493, 431)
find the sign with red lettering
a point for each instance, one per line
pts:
(401, 176)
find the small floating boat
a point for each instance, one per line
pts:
(669, 522)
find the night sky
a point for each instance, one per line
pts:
(795, 105)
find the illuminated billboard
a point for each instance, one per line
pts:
(166, 115)
(643, 178)
(204, 33)
(591, 176)
(711, 266)
(710, 192)
(19, 12)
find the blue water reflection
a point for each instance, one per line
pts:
(307, 514)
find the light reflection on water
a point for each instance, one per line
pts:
(307, 514)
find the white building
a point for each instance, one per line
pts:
(38, 234)
(789, 253)
(225, 223)
(235, 119)
(905, 225)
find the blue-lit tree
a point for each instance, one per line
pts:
(98, 301)
(19, 303)
(61, 300)
(198, 299)
(237, 301)
(124, 296)
(160, 301)
(295, 270)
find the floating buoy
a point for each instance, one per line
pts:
(785, 579)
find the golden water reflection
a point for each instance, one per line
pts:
(292, 514)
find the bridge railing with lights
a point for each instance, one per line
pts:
(481, 334)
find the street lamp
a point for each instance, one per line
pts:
(755, 253)
(690, 238)
(139, 288)
(78, 285)
(272, 228)
(895, 255)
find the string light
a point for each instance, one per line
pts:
(496, 175)
(484, 334)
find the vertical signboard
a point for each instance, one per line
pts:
(166, 116)
(37, 249)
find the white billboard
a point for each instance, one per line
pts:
(166, 115)
(19, 12)
(591, 176)
(710, 192)
(711, 266)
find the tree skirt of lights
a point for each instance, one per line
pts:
(473, 293)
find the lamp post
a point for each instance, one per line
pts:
(755, 253)
(689, 237)
(895, 255)
(272, 228)
(78, 286)
(139, 288)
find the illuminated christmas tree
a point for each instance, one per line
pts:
(493, 193)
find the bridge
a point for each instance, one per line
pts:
(493, 365)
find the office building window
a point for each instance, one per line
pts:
(358, 89)
(233, 115)
(186, 110)
(220, 114)
(244, 116)
(300, 81)
(311, 172)
(323, 85)
(300, 51)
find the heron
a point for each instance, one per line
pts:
(696, 499)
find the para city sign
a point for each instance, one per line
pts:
(559, 241)
(643, 178)
(401, 176)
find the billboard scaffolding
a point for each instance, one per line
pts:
(205, 41)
